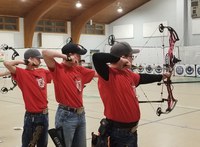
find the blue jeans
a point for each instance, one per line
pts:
(31, 121)
(74, 127)
(122, 138)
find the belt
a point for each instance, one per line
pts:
(129, 127)
(132, 130)
(122, 125)
(45, 111)
(71, 109)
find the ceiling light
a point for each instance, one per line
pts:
(119, 9)
(91, 22)
(78, 4)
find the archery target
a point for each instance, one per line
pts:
(190, 70)
(141, 68)
(198, 70)
(149, 69)
(179, 70)
(158, 69)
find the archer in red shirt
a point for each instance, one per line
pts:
(69, 79)
(117, 87)
(32, 82)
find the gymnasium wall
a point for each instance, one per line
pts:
(139, 28)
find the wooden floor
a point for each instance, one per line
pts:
(180, 128)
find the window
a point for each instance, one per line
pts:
(95, 28)
(9, 23)
(51, 26)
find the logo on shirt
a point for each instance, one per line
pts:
(41, 82)
(78, 83)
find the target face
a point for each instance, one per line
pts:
(149, 69)
(140, 68)
(189, 70)
(198, 70)
(158, 69)
(179, 70)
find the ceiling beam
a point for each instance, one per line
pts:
(32, 17)
(78, 22)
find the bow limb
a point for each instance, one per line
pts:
(14, 55)
(171, 101)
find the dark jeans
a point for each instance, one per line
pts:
(32, 123)
(122, 138)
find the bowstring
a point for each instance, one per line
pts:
(145, 44)
(163, 50)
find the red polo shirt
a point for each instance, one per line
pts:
(33, 84)
(119, 95)
(69, 83)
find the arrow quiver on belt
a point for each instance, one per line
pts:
(101, 140)
(36, 135)
(57, 136)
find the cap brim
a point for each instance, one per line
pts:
(40, 57)
(135, 51)
(82, 50)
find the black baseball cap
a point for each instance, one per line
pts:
(73, 48)
(32, 53)
(122, 49)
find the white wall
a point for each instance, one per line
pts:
(13, 38)
(94, 42)
(175, 13)
(192, 39)
(151, 12)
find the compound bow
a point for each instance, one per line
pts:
(170, 61)
(5, 47)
